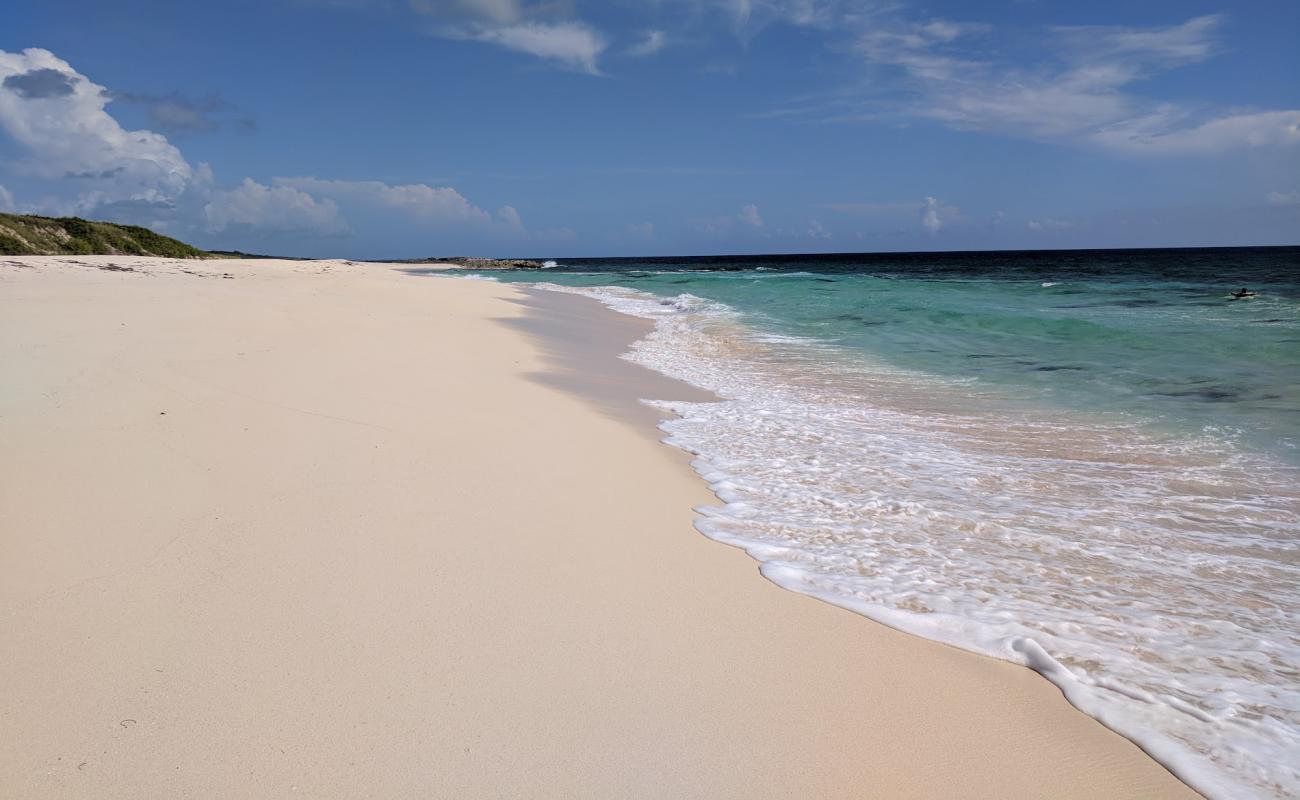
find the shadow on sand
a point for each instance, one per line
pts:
(581, 341)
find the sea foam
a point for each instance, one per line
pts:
(1153, 578)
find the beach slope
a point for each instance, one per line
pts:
(328, 529)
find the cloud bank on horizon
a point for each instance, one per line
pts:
(810, 124)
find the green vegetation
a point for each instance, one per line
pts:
(29, 235)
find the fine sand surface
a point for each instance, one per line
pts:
(332, 530)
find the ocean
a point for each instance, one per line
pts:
(1086, 462)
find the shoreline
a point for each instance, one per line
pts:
(1104, 702)
(324, 527)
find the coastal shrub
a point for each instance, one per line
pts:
(35, 235)
(76, 227)
(158, 244)
(9, 246)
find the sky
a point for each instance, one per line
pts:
(546, 128)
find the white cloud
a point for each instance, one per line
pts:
(571, 43)
(919, 49)
(418, 199)
(653, 42)
(946, 30)
(1187, 43)
(1154, 134)
(1049, 224)
(930, 215)
(644, 230)
(508, 216)
(816, 230)
(934, 214)
(94, 167)
(264, 208)
(57, 117)
(1273, 198)
(6, 200)
(753, 14)
(1080, 91)
(747, 217)
(518, 26)
(503, 12)
(497, 10)
(433, 205)
(87, 164)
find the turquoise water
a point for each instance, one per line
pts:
(1083, 462)
(1146, 333)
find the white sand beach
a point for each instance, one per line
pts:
(327, 529)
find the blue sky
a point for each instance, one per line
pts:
(405, 128)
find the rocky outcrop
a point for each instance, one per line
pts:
(485, 263)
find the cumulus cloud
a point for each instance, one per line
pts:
(418, 199)
(58, 120)
(93, 166)
(934, 215)
(88, 164)
(747, 218)
(930, 215)
(652, 43)
(1277, 198)
(816, 230)
(430, 204)
(272, 208)
(508, 216)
